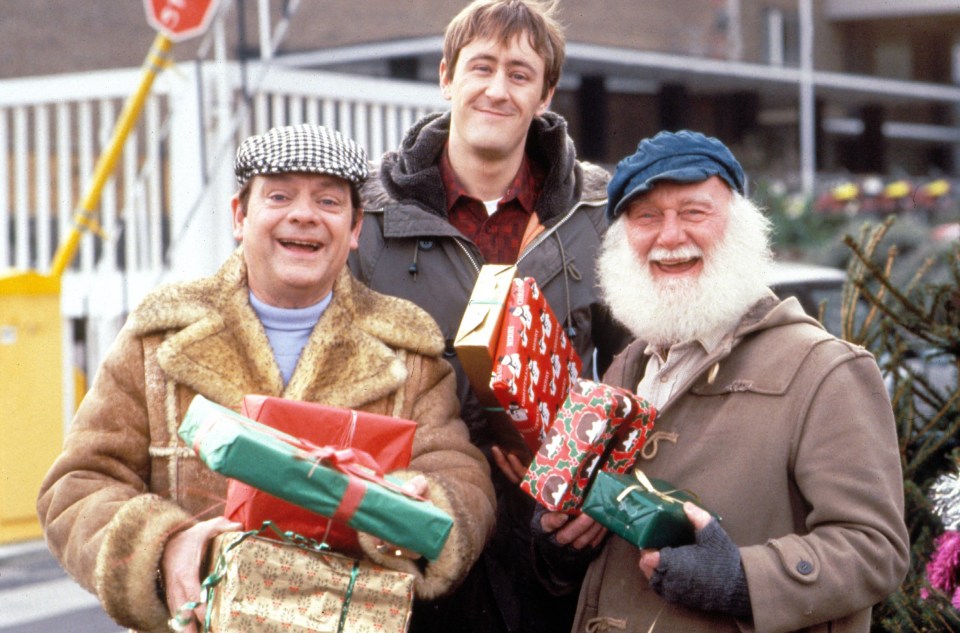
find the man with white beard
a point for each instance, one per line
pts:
(783, 430)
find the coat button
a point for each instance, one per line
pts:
(449, 351)
(805, 567)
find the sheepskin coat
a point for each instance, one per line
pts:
(125, 481)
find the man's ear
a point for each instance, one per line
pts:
(545, 103)
(238, 215)
(444, 83)
(355, 231)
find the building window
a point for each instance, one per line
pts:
(781, 37)
(893, 60)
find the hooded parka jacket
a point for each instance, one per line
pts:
(125, 482)
(787, 434)
(408, 248)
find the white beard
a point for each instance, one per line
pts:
(670, 311)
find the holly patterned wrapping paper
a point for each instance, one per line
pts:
(536, 363)
(266, 586)
(597, 424)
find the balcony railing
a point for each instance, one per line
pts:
(165, 213)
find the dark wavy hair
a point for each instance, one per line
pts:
(504, 20)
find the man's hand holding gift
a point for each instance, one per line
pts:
(580, 531)
(512, 467)
(180, 569)
(706, 575)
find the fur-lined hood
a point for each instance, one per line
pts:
(411, 173)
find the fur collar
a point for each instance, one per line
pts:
(215, 344)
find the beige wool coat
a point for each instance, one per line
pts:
(788, 435)
(125, 481)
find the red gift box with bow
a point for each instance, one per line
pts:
(388, 440)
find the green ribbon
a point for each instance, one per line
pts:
(354, 573)
(209, 584)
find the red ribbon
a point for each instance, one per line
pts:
(359, 466)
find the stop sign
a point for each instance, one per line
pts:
(179, 19)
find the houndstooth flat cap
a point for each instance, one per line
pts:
(301, 148)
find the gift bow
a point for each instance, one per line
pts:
(647, 486)
(359, 466)
(346, 460)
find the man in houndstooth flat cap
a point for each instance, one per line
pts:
(130, 511)
(301, 148)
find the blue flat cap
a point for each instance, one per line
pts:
(683, 156)
(305, 148)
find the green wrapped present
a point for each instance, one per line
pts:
(341, 484)
(646, 512)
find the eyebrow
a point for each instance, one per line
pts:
(645, 201)
(490, 57)
(695, 199)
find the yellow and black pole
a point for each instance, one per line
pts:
(32, 391)
(85, 216)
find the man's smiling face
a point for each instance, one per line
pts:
(675, 226)
(297, 230)
(496, 90)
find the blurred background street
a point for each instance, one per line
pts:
(37, 596)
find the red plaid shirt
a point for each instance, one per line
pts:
(498, 236)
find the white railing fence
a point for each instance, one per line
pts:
(165, 213)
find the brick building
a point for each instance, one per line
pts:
(884, 78)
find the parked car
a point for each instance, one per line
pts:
(811, 285)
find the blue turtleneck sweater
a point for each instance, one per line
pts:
(288, 330)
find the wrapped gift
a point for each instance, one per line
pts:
(340, 484)
(476, 340)
(646, 512)
(597, 424)
(388, 440)
(265, 586)
(535, 364)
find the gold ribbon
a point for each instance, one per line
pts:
(645, 485)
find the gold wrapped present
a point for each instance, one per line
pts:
(261, 585)
(476, 340)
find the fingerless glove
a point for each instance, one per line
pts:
(706, 576)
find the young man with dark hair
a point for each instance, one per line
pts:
(494, 181)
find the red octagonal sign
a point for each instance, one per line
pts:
(180, 19)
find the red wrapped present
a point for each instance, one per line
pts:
(388, 440)
(535, 365)
(597, 424)
(341, 483)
